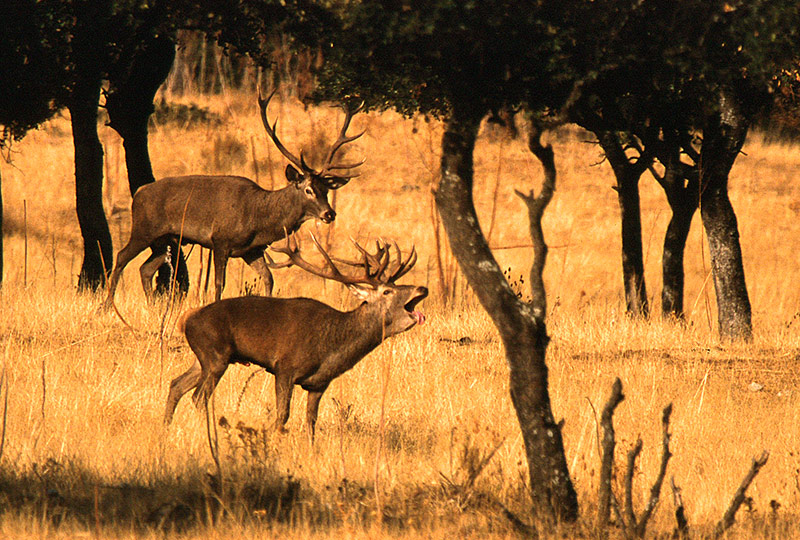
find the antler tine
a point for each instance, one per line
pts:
(404, 266)
(379, 261)
(271, 131)
(329, 167)
(291, 250)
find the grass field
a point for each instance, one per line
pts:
(400, 435)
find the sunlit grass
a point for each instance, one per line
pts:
(87, 393)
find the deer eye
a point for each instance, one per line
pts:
(309, 191)
(387, 292)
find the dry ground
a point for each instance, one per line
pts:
(86, 453)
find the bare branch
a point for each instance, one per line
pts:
(682, 530)
(630, 516)
(739, 497)
(536, 207)
(607, 463)
(655, 491)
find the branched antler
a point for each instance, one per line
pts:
(328, 176)
(374, 265)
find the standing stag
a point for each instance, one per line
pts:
(231, 215)
(301, 341)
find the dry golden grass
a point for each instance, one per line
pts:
(86, 453)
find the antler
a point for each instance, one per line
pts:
(292, 251)
(374, 265)
(263, 104)
(333, 179)
(402, 267)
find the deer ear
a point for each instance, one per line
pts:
(359, 292)
(294, 176)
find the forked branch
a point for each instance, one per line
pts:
(536, 207)
(631, 526)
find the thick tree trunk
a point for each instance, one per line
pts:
(524, 336)
(97, 256)
(723, 136)
(627, 174)
(129, 105)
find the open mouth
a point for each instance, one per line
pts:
(411, 305)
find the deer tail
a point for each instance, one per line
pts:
(181, 326)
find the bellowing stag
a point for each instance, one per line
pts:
(301, 341)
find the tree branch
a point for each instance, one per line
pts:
(655, 491)
(630, 516)
(607, 463)
(682, 530)
(536, 207)
(739, 497)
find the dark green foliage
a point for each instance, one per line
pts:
(430, 56)
(33, 40)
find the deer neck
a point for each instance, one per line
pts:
(284, 209)
(359, 332)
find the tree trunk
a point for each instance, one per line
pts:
(723, 136)
(1, 232)
(681, 186)
(524, 336)
(129, 105)
(627, 174)
(97, 256)
(672, 262)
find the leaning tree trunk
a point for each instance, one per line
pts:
(89, 184)
(129, 105)
(681, 185)
(628, 174)
(521, 329)
(723, 136)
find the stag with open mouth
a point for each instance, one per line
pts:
(301, 341)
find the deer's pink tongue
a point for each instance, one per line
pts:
(419, 316)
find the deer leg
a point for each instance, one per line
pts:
(125, 255)
(256, 261)
(213, 371)
(179, 386)
(220, 262)
(151, 266)
(283, 399)
(312, 409)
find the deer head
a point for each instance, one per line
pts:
(315, 184)
(395, 305)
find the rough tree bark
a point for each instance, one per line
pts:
(724, 133)
(129, 105)
(97, 256)
(628, 173)
(521, 326)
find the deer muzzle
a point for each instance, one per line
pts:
(410, 306)
(328, 216)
